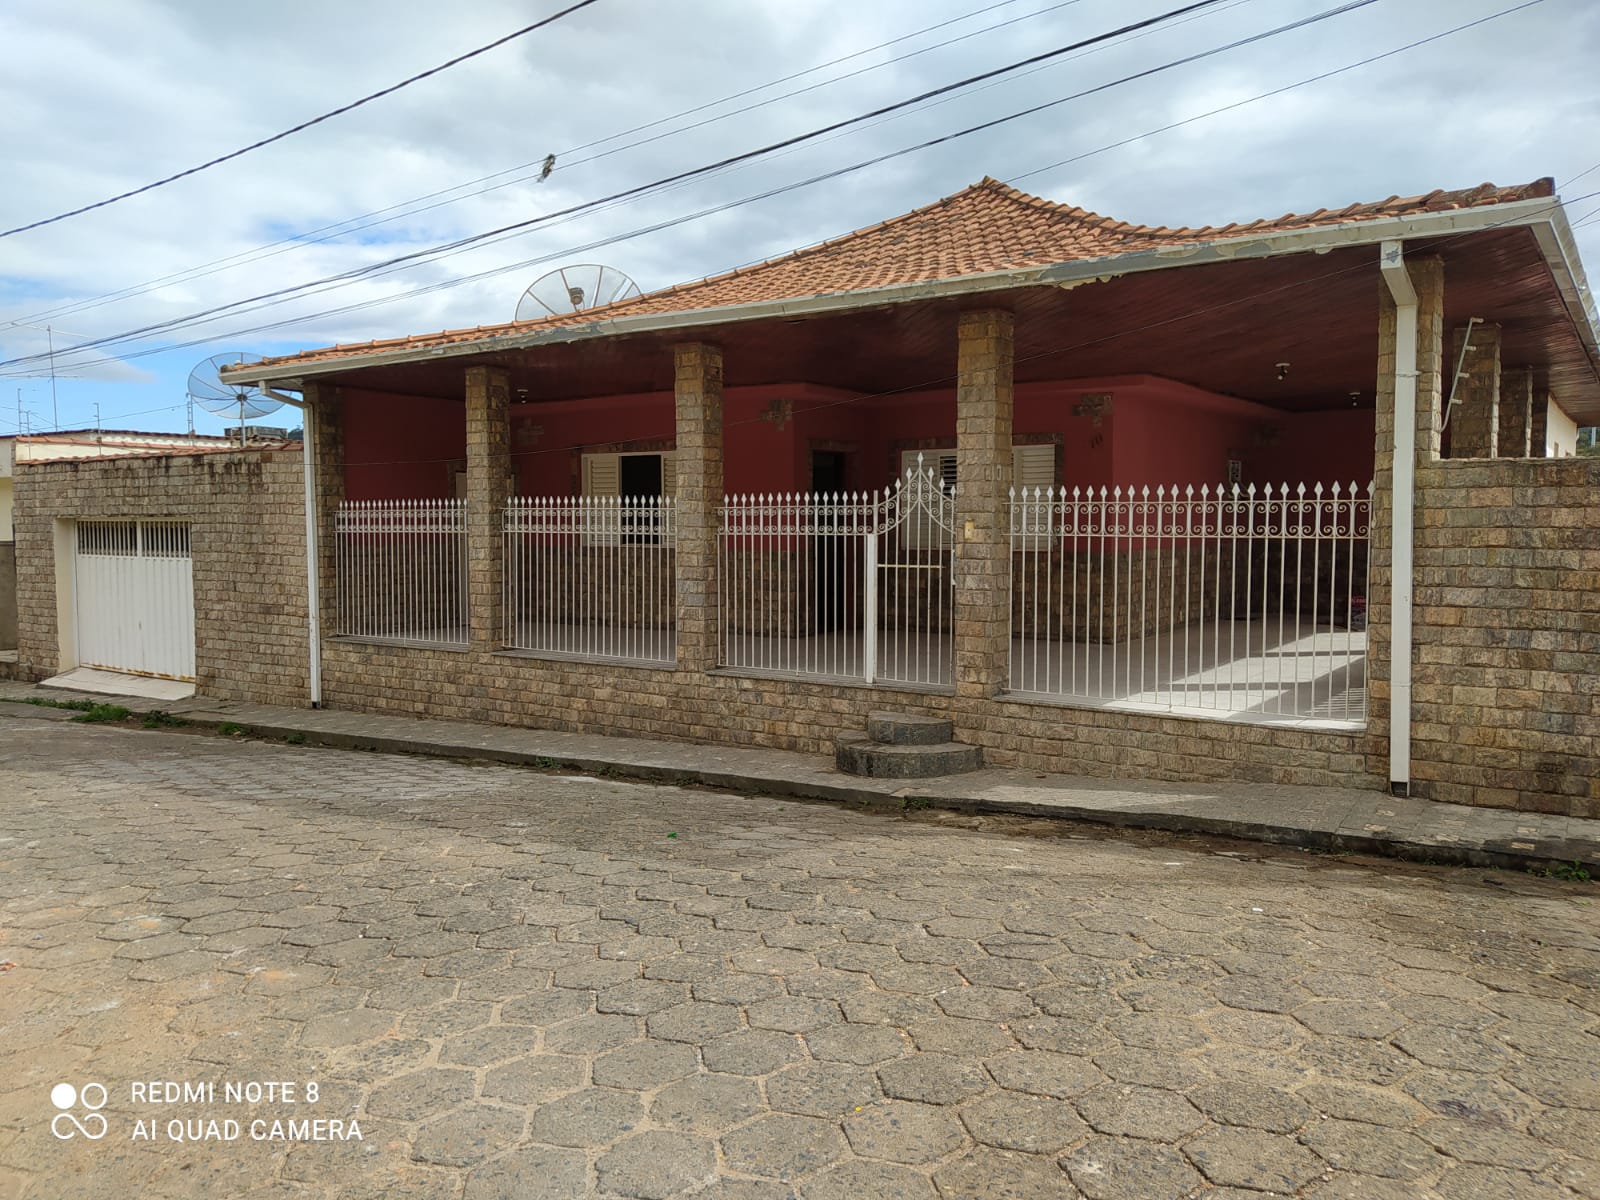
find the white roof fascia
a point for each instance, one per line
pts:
(1536, 212)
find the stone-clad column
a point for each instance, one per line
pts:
(983, 504)
(1516, 412)
(488, 486)
(326, 419)
(697, 387)
(1539, 423)
(1475, 417)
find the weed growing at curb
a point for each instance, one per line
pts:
(230, 729)
(295, 739)
(97, 713)
(160, 718)
(74, 705)
(1572, 872)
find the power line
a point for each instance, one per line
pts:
(440, 285)
(304, 125)
(359, 222)
(683, 176)
(402, 261)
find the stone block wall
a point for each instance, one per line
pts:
(722, 707)
(1506, 682)
(247, 517)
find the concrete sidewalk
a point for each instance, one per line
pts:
(1315, 818)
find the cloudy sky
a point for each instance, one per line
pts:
(100, 96)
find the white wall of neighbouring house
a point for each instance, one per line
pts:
(1560, 434)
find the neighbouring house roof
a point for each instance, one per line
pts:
(983, 230)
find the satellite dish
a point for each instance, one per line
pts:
(572, 289)
(242, 400)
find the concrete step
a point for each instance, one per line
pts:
(907, 729)
(859, 754)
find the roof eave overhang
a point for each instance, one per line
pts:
(1542, 214)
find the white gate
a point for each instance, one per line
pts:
(853, 586)
(134, 584)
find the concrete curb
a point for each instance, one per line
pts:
(1537, 854)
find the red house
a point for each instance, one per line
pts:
(1111, 497)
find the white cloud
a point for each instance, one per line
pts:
(102, 95)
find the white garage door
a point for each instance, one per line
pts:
(135, 597)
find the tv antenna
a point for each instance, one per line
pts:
(208, 389)
(573, 289)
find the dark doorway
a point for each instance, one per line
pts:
(639, 483)
(640, 475)
(830, 563)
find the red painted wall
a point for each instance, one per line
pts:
(1155, 432)
(402, 447)
(1324, 447)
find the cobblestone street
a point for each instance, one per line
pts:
(524, 985)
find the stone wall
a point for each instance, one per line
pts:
(1506, 682)
(247, 517)
(721, 707)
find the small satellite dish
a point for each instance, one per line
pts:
(244, 401)
(572, 289)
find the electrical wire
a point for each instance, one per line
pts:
(362, 221)
(303, 125)
(442, 285)
(449, 248)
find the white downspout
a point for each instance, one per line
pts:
(1391, 262)
(308, 464)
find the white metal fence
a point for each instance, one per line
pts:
(592, 576)
(1233, 601)
(851, 586)
(402, 570)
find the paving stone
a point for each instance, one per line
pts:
(1452, 1049)
(1012, 1121)
(641, 997)
(707, 1103)
(593, 1034)
(1251, 1106)
(984, 1003)
(822, 1089)
(863, 1045)
(1043, 1073)
(1110, 1169)
(792, 1014)
(1003, 1175)
(901, 1132)
(782, 1146)
(530, 1173)
(695, 1022)
(535, 1079)
(467, 1136)
(547, 1007)
(586, 1119)
(656, 1165)
(932, 1079)
(421, 1094)
(1478, 1142)
(1249, 1158)
(856, 1180)
(484, 1047)
(1369, 1150)
(1471, 1182)
(751, 1052)
(1139, 1112)
(645, 1066)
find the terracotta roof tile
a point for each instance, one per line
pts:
(989, 226)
